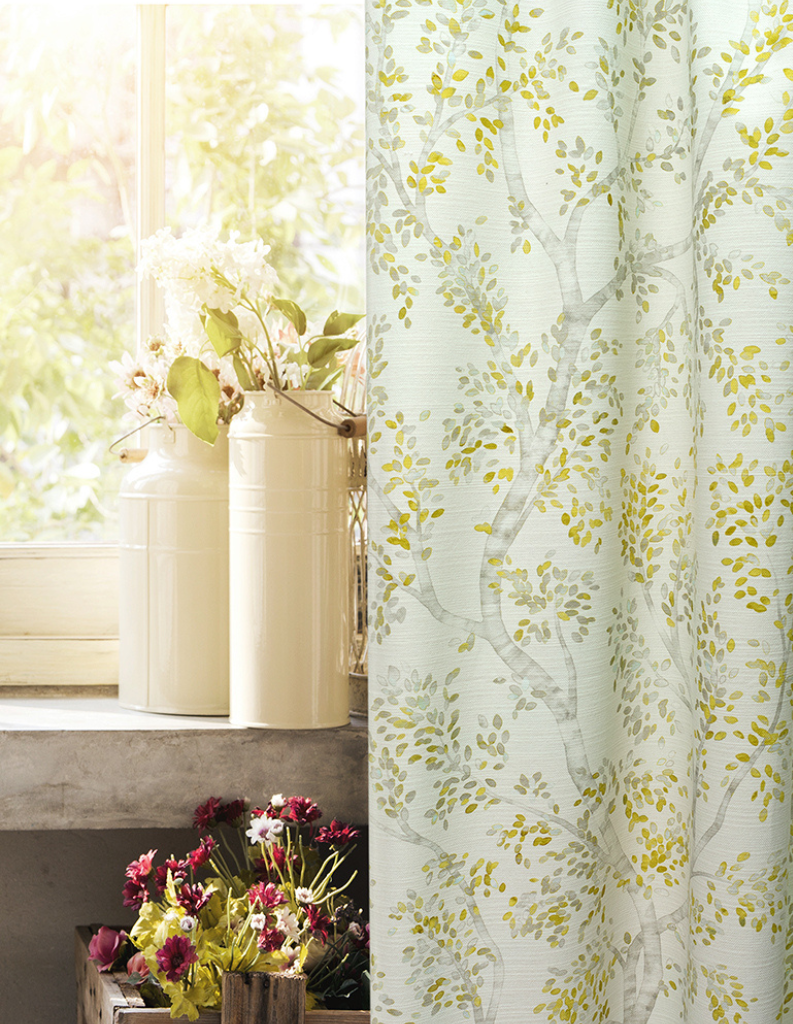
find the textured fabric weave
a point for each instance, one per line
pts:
(581, 332)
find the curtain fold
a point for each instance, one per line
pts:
(580, 485)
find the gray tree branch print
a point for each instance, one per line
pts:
(561, 429)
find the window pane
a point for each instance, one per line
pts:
(265, 137)
(67, 151)
(265, 122)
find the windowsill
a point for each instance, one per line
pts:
(85, 763)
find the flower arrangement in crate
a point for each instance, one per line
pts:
(261, 892)
(221, 339)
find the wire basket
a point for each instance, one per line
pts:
(353, 396)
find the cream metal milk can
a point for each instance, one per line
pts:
(174, 582)
(289, 563)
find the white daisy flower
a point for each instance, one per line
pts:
(264, 830)
(287, 923)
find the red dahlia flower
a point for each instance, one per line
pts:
(206, 815)
(301, 810)
(277, 855)
(193, 897)
(268, 895)
(135, 894)
(141, 868)
(176, 956)
(275, 862)
(270, 939)
(318, 922)
(232, 814)
(337, 833)
(200, 856)
(178, 869)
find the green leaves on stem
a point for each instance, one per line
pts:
(340, 323)
(197, 394)
(223, 331)
(321, 351)
(196, 389)
(293, 313)
(246, 382)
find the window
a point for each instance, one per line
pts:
(263, 113)
(67, 183)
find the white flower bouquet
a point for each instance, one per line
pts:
(220, 337)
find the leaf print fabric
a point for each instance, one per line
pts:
(581, 536)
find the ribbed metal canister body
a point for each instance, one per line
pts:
(174, 577)
(289, 564)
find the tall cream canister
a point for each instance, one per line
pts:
(289, 563)
(174, 596)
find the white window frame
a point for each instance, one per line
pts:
(59, 608)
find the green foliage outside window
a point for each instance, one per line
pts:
(266, 141)
(261, 140)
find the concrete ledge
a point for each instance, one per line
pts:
(85, 763)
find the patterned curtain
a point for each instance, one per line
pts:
(581, 332)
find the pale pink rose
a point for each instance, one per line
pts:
(137, 965)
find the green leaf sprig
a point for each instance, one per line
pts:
(196, 389)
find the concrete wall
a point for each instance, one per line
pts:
(52, 881)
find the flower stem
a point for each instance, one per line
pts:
(230, 849)
(254, 308)
(243, 845)
(220, 864)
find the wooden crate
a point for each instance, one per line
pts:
(105, 998)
